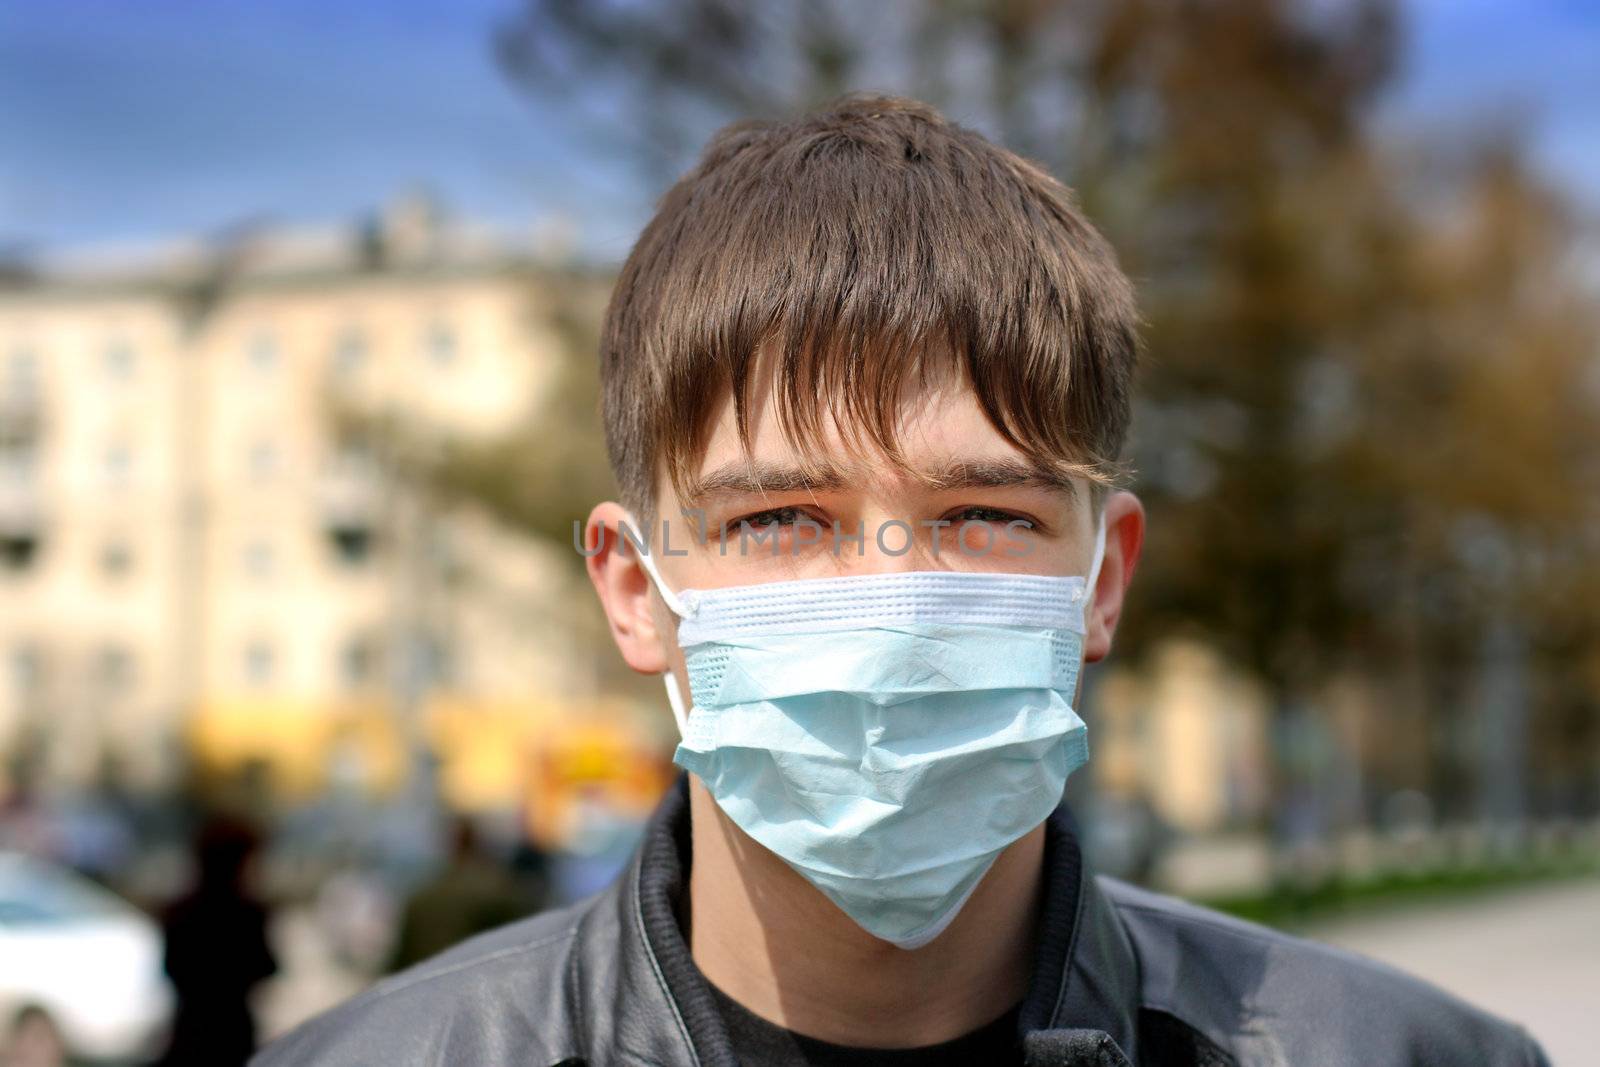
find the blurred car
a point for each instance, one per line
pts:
(79, 962)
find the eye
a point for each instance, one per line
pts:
(785, 516)
(979, 513)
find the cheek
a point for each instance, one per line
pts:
(984, 540)
(994, 546)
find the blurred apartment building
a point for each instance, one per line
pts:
(198, 563)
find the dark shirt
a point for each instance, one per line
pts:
(759, 1042)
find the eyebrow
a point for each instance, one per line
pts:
(998, 474)
(735, 479)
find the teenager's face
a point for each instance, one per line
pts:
(964, 499)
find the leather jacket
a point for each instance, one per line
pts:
(1122, 976)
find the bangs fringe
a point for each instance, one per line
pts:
(850, 263)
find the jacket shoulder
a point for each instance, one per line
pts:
(1271, 998)
(494, 998)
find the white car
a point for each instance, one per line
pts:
(78, 961)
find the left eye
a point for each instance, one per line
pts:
(776, 517)
(983, 514)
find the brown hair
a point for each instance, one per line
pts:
(851, 253)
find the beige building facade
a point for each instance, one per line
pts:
(198, 559)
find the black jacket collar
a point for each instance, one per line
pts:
(1085, 982)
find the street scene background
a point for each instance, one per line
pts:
(301, 679)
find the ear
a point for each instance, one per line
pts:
(1124, 540)
(624, 589)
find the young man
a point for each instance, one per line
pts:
(866, 379)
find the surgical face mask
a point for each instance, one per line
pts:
(887, 735)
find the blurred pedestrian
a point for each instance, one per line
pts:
(471, 894)
(217, 951)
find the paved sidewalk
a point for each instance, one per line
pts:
(1531, 955)
(309, 979)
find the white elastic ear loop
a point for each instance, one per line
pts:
(680, 714)
(1099, 557)
(674, 603)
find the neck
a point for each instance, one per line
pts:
(766, 937)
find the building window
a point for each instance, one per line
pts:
(117, 463)
(21, 374)
(116, 559)
(262, 350)
(437, 661)
(260, 662)
(352, 543)
(260, 561)
(263, 460)
(19, 450)
(19, 459)
(113, 668)
(349, 350)
(119, 359)
(441, 344)
(27, 671)
(18, 550)
(358, 662)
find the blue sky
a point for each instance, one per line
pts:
(126, 121)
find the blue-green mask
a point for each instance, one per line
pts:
(887, 735)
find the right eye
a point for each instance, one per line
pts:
(785, 516)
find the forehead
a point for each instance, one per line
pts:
(943, 438)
